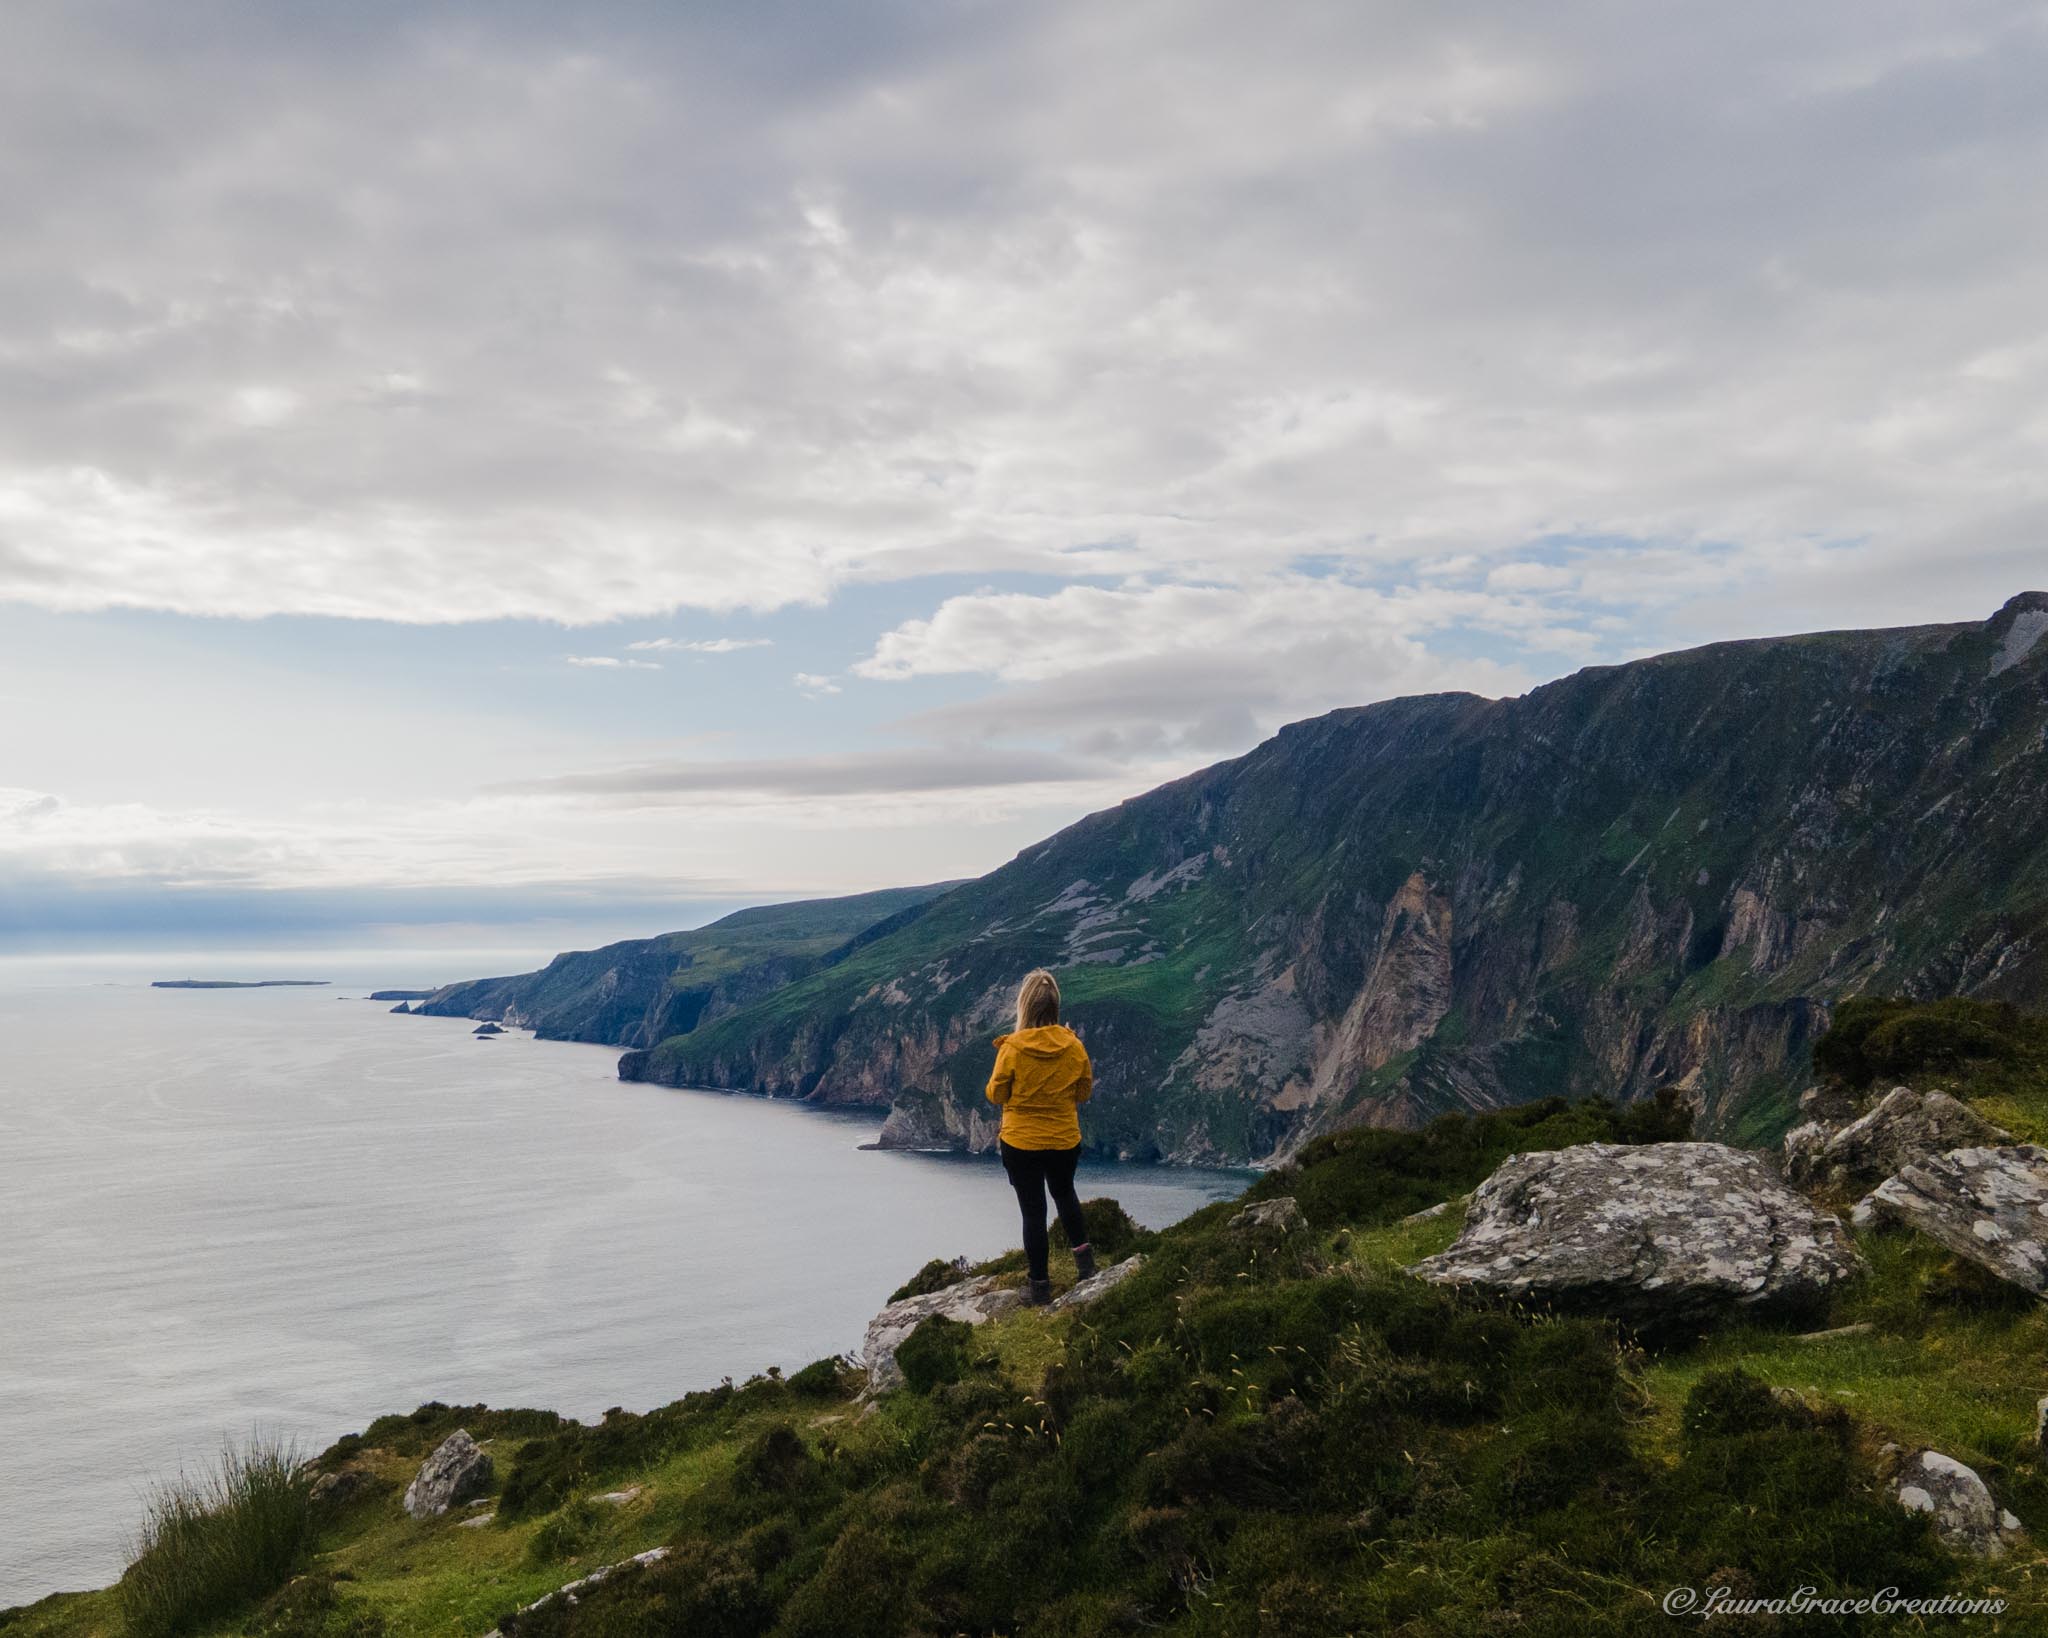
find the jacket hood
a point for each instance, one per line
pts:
(1046, 1041)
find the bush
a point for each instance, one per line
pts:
(1871, 1037)
(935, 1353)
(821, 1379)
(936, 1275)
(1111, 1231)
(314, 1606)
(1373, 1176)
(213, 1545)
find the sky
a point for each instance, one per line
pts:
(466, 464)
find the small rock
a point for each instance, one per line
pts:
(1439, 1209)
(1858, 1329)
(1965, 1517)
(476, 1521)
(619, 1498)
(1987, 1205)
(455, 1472)
(488, 1029)
(2041, 1426)
(972, 1302)
(1110, 1278)
(1650, 1231)
(1282, 1215)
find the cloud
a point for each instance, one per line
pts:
(611, 662)
(711, 645)
(372, 313)
(814, 685)
(916, 771)
(1155, 670)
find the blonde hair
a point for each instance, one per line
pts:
(1038, 1000)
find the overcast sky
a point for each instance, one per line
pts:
(612, 460)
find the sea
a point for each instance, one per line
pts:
(284, 1212)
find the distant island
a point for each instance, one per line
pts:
(400, 995)
(238, 983)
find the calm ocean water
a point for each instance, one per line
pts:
(285, 1210)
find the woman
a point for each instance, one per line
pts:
(1042, 1077)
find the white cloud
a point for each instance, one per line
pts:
(814, 685)
(1158, 670)
(709, 645)
(611, 662)
(374, 317)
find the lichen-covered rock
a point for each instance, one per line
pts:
(457, 1470)
(1651, 1231)
(972, 1302)
(1282, 1216)
(1901, 1128)
(1105, 1282)
(1988, 1205)
(1965, 1516)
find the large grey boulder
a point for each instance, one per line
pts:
(1989, 1205)
(456, 1472)
(972, 1302)
(1901, 1128)
(1965, 1516)
(1651, 1231)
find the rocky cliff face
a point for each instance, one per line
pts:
(1659, 872)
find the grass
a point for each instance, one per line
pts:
(210, 1545)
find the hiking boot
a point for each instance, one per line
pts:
(1040, 1293)
(1084, 1262)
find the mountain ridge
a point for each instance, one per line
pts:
(1664, 871)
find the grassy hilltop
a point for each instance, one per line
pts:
(1257, 1434)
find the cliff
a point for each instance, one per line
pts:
(641, 990)
(1653, 873)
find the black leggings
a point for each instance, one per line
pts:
(1035, 1173)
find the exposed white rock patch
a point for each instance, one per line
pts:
(2028, 627)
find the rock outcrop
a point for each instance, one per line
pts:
(1901, 1128)
(1104, 1283)
(1651, 1232)
(1965, 1516)
(575, 1590)
(972, 1302)
(1281, 1216)
(1988, 1205)
(457, 1471)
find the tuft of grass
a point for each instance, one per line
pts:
(212, 1545)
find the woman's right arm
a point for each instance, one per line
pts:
(1004, 1080)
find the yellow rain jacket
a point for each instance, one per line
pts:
(1041, 1077)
